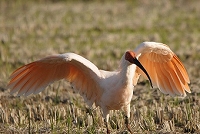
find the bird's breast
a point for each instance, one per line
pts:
(117, 99)
(118, 89)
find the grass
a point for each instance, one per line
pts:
(100, 31)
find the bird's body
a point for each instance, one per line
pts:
(108, 90)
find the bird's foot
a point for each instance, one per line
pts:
(108, 131)
(129, 128)
(107, 128)
(128, 125)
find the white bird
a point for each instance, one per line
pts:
(108, 90)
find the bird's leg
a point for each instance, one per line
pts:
(128, 125)
(127, 116)
(89, 111)
(107, 128)
(106, 118)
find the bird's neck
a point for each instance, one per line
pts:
(127, 71)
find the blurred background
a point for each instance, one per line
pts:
(100, 31)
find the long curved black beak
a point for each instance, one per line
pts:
(136, 62)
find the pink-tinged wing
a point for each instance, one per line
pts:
(164, 68)
(35, 76)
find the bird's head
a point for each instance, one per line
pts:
(131, 57)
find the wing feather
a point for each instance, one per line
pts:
(19, 73)
(164, 82)
(173, 80)
(20, 80)
(168, 80)
(164, 68)
(35, 76)
(181, 68)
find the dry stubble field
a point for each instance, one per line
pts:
(101, 31)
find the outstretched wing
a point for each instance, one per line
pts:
(35, 76)
(164, 68)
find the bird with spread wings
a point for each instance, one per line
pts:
(110, 90)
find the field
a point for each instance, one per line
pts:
(101, 31)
